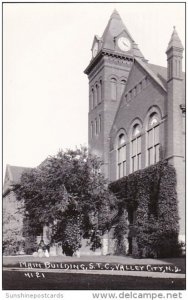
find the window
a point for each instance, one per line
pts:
(113, 89)
(96, 128)
(121, 156)
(92, 99)
(122, 87)
(100, 123)
(100, 92)
(97, 94)
(153, 139)
(136, 148)
(91, 129)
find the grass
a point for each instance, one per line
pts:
(13, 280)
(14, 261)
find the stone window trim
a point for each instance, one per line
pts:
(153, 109)
(135, 121)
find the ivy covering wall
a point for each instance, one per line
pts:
(150, 195)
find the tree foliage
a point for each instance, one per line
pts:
(68, 191)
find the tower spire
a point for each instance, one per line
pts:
(175, 41)
(115, 15)
(174, 56)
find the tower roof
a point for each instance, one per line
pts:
(113, 30)
(114, 27)
(175, 41)
(115, 14)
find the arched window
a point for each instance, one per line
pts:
(92, 98)
(100, 124)
(113, 89)
(136, 148)
(97, 94)
(91, 129)
(96, 127)
(122, 87)
(153, 142)
(121, 155)
(100, 91)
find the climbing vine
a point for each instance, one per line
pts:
(151, 194)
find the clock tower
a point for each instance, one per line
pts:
(108, 70)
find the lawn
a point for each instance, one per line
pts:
(16, 280)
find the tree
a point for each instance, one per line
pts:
(69, 192)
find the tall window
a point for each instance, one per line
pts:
(121, 156)
(113, 89)
(122, 88)
(96, 127)
(92, 98)
(136, 148)
(97, 94)
(100, 123)
(100, 92)
(153, 139)
(91, 129)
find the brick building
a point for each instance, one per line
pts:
(136, 109)
(136, 118)
(13, 216)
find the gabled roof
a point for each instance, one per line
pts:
(16, 172)
(12, 177)
(161, 73)
(151, 73)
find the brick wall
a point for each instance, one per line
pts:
(149, 98)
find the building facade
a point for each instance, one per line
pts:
(136, 109)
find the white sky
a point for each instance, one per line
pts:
(46, 49)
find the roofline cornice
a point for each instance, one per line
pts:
(106, 52)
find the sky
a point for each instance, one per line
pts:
(46, 48)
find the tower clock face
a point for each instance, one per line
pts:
(124, 44)
(95, 49)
